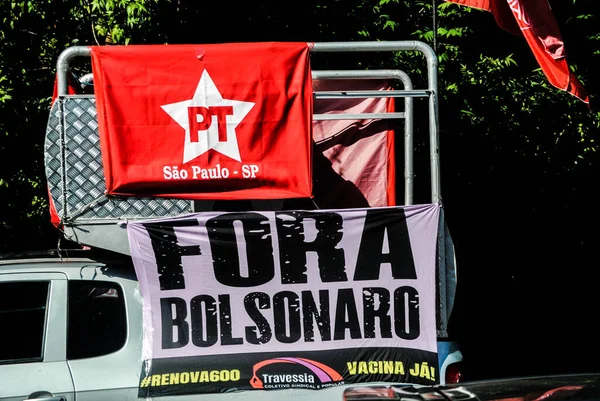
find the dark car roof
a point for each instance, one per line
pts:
(573, 387)
(67, 253)
(547, 388)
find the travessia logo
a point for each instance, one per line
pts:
(209, 120)
(293, 373)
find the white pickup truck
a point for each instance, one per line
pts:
(72, 330)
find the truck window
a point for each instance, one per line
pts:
(96, 323)
(22, 320)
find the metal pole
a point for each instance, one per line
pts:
(62, 66)
(434, 14)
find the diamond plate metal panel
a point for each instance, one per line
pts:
(52, 159)
(75, 162)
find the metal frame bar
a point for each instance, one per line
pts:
(370, 94)
(336, 47)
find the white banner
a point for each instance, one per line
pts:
(337, 288)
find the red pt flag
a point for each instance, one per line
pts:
(536, 22)
(222, 121)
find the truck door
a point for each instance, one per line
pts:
(32, 340)
(103, 349)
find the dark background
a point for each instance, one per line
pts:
(520, 201)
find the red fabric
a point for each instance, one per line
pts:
(236, 109)
(535, 20)
(354, 160)
(391, 157)
(541, 31)
(54, 218)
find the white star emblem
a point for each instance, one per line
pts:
(209, 121)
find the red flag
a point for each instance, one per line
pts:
(54, 217)
(354, 162)
(535, 20)
(223, 121)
